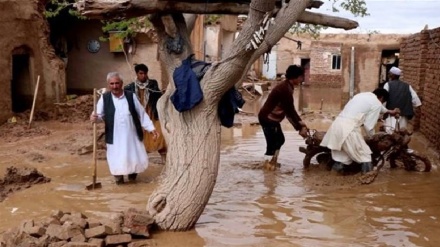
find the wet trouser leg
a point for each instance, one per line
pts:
(366, 167)
(274, 137)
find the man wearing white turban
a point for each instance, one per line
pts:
(402, 96)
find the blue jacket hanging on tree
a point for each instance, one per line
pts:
(188, 92)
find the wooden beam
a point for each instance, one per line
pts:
(120, 9)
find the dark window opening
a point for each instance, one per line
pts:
(336, 62)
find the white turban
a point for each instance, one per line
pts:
(395, 71)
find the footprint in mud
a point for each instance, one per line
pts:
(36, 157)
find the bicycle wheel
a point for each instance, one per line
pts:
(420, 163)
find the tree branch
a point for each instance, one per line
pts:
(102, 9)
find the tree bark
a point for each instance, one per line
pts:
(193, 138)
(103, 9)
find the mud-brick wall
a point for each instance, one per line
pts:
(25, 32)
(420, 64)
(321, 72)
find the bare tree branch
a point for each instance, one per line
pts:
(101, 9)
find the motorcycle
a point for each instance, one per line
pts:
(391, 147)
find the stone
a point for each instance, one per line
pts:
(57, 231)
(138, 222)
(79, 244)
(57, 214)
(141, 243)
(99, 231)
(93, 222)
(97, 241)
(78, 215)
(117, 239)
(58, 244)
(79, 238)
(36, 231)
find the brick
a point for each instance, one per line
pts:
(57, 231)
(58, 244)
(26, 226)
(99, 231)
(134, 217)
(79, 244)
(97, 241)
(51, 220)
(78, 238)
(142, 243)
(78, 215)
(118, 239)
(93, 222)
(37, 231)
(57, 214)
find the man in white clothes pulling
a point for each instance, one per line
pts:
(124, 119)
(344, 137)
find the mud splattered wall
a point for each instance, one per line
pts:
(25, 53)
(420, 64)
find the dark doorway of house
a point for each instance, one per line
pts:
(389, 59)
(21, 92)
(305, 63)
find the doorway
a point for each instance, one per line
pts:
(21, 91)
(305, 64)
(389, 59)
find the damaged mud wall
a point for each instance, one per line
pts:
(420, 64)
(25, 54)
(322, 74)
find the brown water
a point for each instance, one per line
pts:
(249, 207)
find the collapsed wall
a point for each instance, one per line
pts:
(26, 54)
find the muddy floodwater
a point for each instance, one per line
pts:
(249, 206)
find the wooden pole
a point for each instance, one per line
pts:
(94, 140)
(33, 103)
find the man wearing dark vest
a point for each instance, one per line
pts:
(402, 96)
(124, 119)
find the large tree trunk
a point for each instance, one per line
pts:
(189, 175)
(193, 137)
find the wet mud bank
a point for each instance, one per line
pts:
(17, 179)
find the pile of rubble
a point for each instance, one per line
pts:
(17, 179)
(77, 109)
(127, 229)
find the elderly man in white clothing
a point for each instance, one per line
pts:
(402, 96)
(124, 119)
(344, 137)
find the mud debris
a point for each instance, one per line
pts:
(12, 132)
(17, 179)
(129, 229)
(75, 110)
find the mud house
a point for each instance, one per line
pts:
(25, 54)
(328, 59)
(90, 53)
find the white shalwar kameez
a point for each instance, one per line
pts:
(344, 136)
(127, 154)
(390, 121)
